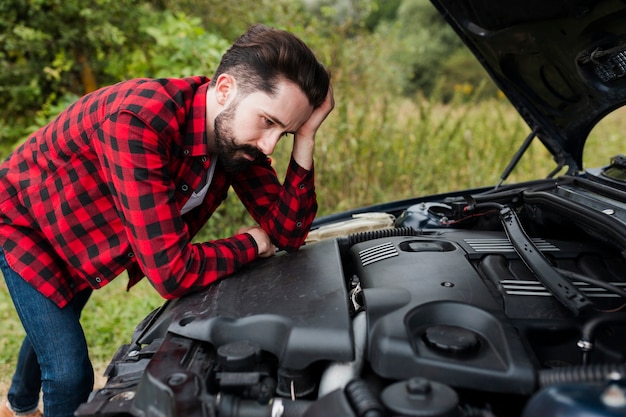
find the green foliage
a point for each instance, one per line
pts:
(427, 54)
(50, 48)
(229, 19)
(384, 11)
(461, 72)
(345, 12)
(48, 61)
(53, 51)
(178, 46)
(394, 148)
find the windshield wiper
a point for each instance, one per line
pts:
(559, 286)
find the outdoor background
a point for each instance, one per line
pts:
(415, 113)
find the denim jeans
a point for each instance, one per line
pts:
(53, 357)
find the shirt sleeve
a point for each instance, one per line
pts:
(285, 211)
(136, 160)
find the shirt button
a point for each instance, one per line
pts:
(299, 224)
(98, 280)
(131, 255)
(186, 152)
(184, 187)
(204, 159)
(301, 186)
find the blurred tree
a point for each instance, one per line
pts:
(423, 41)
(343, 12)
(52, 51)
(178, 46)
(49, 48)
(70, 41)
(430, 55)
(231, 18)
(385, 11)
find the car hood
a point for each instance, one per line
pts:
(561, 64)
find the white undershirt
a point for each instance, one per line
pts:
(197, 197)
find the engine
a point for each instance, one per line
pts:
(495, 305)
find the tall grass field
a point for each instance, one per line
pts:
(370, 150)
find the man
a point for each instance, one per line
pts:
(125, 177)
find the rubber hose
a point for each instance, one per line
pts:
(576, 374)
(346, 242)
(295, 408)
(363, 400)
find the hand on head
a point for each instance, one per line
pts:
(309, 128)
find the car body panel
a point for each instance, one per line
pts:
(561, 64)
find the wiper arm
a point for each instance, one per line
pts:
(560, 287)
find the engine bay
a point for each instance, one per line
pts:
(493, 304)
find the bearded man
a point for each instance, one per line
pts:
(125, 177)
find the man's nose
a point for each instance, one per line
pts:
(268, 142)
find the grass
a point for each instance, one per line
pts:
(379, 150)
(372, 149)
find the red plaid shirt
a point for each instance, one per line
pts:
(100, 190)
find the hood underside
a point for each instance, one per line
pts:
(562, 64)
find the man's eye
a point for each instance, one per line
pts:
(269, 122)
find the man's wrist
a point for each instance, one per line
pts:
(302, 153)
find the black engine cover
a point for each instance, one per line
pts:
(460, 307)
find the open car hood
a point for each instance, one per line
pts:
(561, 64)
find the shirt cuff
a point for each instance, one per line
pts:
(299, 179)
(248, 248)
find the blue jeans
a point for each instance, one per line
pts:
(53, 357)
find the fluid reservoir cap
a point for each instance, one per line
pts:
(452, 340)
(238, 356)
(420, 397)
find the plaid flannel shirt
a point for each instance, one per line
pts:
(100, 190)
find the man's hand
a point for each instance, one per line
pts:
(304, 139)
(262, 239)
(309, 128)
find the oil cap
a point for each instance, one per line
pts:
(452, 340)
(421, 397)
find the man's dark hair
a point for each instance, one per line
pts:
(263, 56)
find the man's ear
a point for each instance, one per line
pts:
(225, 88)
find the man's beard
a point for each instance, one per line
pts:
(227, 147)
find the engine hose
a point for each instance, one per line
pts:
(233, 406)
(338, 374)
(590, 327)
(579, 374)
(360, 237)
(295, 408)
(363, 400)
